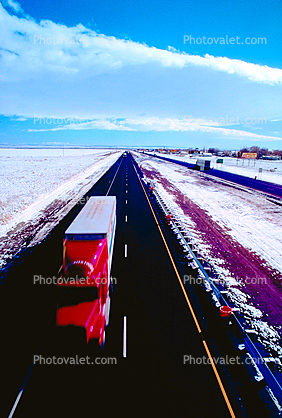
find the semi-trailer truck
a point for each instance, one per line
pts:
(84, 288)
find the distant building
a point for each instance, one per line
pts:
(203, 164)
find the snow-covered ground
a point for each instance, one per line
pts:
(271, 170)
(254, 223)
(239, 232)
(41, 184)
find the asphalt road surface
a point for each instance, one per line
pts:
(140, 370)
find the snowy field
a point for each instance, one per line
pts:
(38, 182)
(271, 170)
(254, 223)
(239, 232)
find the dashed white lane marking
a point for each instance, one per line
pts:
(125, 218)
(125, 250)
(124, 349)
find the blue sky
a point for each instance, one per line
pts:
(203, 73)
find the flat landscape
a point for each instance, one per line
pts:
(141, 209)
(238, 231)
(39, 187)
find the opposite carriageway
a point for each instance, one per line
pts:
(271, 189)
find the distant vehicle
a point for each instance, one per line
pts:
(124, 154)
(203, 164)
(84, 288)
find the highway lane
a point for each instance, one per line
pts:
(25, 307)
(152, 379)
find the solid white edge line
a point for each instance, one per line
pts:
(124, 352)
(16, 404)
(113, 179)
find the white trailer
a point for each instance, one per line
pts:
(87, 260)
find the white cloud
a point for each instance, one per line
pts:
(160, 125)
(103, 124)
(32, 47)
(13, 5)
(19, 119)
(56, 71)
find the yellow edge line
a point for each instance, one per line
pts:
(190, 306)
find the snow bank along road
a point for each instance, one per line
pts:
(162, 330)
(39, 187)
